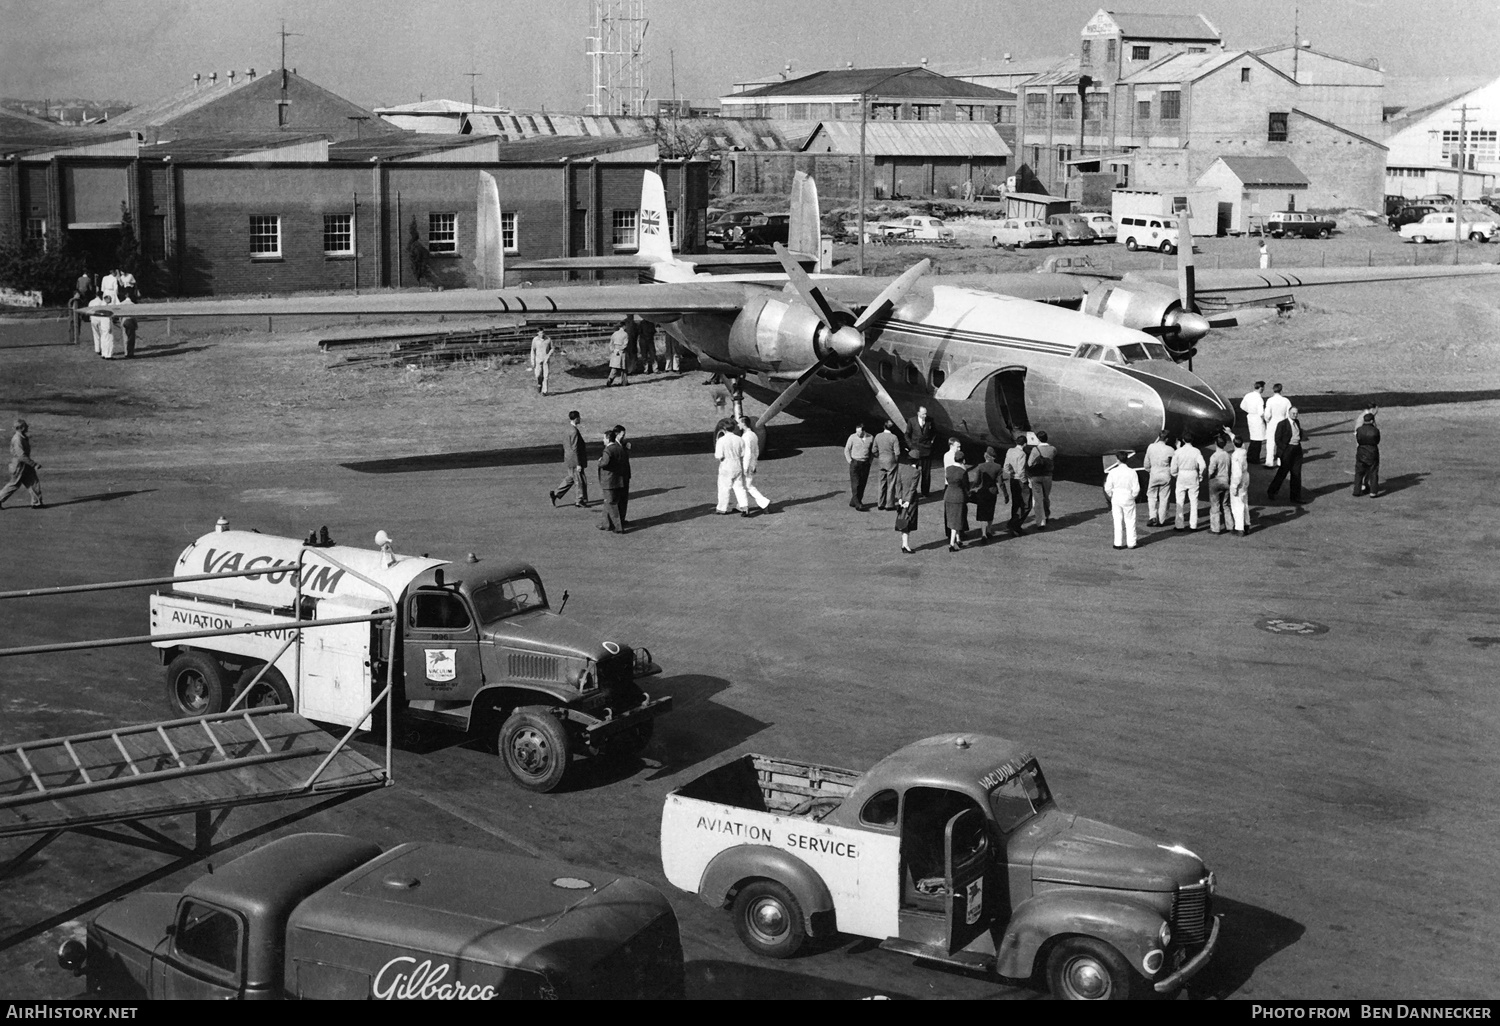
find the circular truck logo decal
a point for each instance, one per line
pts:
(1278, 625)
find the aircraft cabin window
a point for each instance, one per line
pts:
(938, 377)
(912, 377)
(880, 810)
(1090, 352)
(885, 370)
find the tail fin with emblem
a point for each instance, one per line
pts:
(655, 240)
(805, 232)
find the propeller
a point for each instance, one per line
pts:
(844, 342)
(1184, 325)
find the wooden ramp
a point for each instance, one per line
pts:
(194, 765)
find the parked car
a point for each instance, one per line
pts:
(1022, 232)
(1071, 228)
(1436, 199)
(1150, 232)
(728, 230)
(1410, 215)
(774, 228)
(927, 229)
(1294, 222)
(1443, 227)
(1103, 225)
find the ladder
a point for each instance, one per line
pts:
(83, 764)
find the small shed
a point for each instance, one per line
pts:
(1036, 204)
(1253, 187)
(920, 159)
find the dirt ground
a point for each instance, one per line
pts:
(1340, 785)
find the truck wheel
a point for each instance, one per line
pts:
(1476, 237)
(768, 919)
(196, 685)
(1085, 969)
(535, 749)
(1167, 247)
(272, 689)
(1130, 244)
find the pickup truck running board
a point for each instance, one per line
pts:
(962, 959)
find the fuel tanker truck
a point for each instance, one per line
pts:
(474, 646)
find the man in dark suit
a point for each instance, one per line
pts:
(610, 461)
(921, 435)
(1288, 439)
(575, 462)
(624, 475)
(1367, 456)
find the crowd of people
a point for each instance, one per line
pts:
(114, 333)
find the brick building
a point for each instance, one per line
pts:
(1162, 99)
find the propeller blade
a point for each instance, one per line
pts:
(886, 402)
(790, 393)
(1242, 316)
(893, 294)
(1187, 279)
(809, 292)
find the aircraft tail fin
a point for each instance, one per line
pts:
(489, 250)
(1187, 281)
(805, 234)
(655, 238)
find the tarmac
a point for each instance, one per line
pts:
(1309, 708)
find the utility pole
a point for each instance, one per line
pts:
(285, 101)
(1458, 193)
(471, 76)
(1296, 37)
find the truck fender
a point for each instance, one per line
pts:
(732, 867)
(1130, 928)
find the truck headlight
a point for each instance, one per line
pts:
(1165, 935)
(588, 677)
(642, 660)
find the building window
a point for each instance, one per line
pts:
(1276, 128)
(623, 230)
(674, 224)
(1036, 107)
(885, 111)
(1095, 106)
(1244, 74)
(1140, 53)
(1064, 154)
(265, 236)
(442, 233)
(1143, 110)
(338, 234)
(1088, 48)
(36, 230)
(1171, 106)
(508, 232)
(1109, 52)
(927, 111)
(1067, 109)
(796, 111)
(1036, 156)
(1005, 115)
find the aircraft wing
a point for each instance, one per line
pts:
(1236, 281)
(631, 261)
(1052, 288)
(703, 296)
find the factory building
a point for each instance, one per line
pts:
(1424, 150)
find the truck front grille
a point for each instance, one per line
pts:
(530, 666)
(1190, 914)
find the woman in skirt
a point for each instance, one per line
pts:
(908, 476)
(956, 502)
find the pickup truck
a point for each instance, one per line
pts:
(329, 916)
(950, 850)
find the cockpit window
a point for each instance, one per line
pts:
(498, 599)
(1112, 355)
(1019, 798)
(1133, 352)
(1156, 351)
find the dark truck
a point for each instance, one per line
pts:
(950, 850)
(329, 916)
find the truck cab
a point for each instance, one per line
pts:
(329, 916)
(950, 849)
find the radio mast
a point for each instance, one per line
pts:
(617, 58)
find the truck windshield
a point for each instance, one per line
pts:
(496, 600)
(1018, 798)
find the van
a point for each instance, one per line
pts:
(1153, 232)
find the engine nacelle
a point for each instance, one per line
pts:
(1155, 309)
(773, 334)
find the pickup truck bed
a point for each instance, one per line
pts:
(762, 784)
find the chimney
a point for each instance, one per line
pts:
(231, 76)
(213, 78)
(250, 74)
(197, 77)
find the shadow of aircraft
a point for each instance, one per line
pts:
(1356, 402)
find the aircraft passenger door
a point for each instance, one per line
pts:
(442, 646)
(967, 850)
(1005, 403)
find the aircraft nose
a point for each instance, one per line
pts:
(1195, 413)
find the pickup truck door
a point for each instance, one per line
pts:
(204, 959)
(441, 646)
(967, 850)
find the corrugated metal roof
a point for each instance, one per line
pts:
(441, 107)
(1266, 170)
(220, 147)
(919, 83)
(914, 138)
(1180, 27)
(185, 101)
(1184, 67)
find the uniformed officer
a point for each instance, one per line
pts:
(1187, 468)
(1122, 486)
